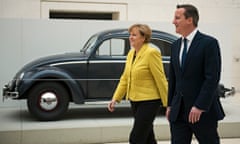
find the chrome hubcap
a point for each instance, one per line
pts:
(48, 101)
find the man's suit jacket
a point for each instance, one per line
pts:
(196, 83)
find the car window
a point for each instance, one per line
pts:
(154, 46)
(89, 45)
(162, 45)
(113, 47)
(116, 47)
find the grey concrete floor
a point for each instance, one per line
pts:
(223, 141)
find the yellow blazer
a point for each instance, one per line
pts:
(143, 78)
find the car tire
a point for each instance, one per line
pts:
(48, 101)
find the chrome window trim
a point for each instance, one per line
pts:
(95, 61)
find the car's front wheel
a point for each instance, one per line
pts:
(48, 101)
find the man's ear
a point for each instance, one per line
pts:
(190, 20)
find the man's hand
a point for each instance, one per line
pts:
(194, 115)
(168, 112)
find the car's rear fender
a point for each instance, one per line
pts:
(40, 74)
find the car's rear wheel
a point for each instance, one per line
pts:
(48, 101)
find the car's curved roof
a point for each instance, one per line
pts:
(124, 32)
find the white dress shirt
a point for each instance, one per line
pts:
(189, 41)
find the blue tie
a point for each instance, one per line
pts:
(184, 53)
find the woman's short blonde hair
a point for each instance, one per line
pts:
(144, 30)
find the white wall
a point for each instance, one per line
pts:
(136, 10)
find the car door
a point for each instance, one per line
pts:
(107, 64)
(105, 67)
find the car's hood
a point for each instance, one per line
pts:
(48, 60)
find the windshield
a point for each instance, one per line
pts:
(89, 45)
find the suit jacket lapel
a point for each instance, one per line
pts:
(191, 50)
(178, 53)
(138, 56)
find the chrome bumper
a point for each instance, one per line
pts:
(225, 92)
(9, 94)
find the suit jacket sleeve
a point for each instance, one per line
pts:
(121, 89)
(156, 67)
(212, 71)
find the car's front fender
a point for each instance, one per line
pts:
(51, 74)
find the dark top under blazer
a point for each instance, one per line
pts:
(197, 83)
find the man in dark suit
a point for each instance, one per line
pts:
(193, 104)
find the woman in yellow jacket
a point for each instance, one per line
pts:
(144, 83)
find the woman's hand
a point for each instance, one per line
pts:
(111, 105)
